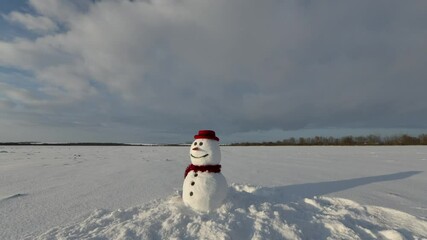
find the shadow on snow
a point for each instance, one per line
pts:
(284, 194)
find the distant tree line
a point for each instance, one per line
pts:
(403, 139)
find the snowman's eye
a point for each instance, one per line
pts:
(200, 143)
(195, 143)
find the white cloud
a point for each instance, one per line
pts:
(60, 10)
(39, 24)
(18, 98)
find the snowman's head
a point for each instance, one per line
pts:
(205, 149)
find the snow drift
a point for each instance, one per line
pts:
(249, 213)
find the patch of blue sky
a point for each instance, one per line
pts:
(11, 70)
(10, 31)
(22, 80)
(7, 6)
(100, 87)
(15, 76)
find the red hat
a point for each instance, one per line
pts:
(208, 134)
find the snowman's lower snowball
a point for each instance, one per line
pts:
(204, 191)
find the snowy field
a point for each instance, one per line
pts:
(275, 193)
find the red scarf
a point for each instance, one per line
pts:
(204, 168)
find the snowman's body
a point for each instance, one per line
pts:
(204, 190)
(207, 192)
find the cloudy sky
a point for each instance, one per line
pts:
(159, 70)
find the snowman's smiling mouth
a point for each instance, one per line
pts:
(200, 156)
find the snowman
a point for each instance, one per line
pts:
(204, 188)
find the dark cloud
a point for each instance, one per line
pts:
(236, 66)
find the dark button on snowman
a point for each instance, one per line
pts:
(204, 188)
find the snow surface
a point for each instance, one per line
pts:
(133, 192)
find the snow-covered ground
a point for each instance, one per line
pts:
(275, 193)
